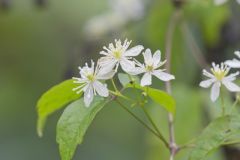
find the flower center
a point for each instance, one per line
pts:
(91, 77)
(220, 74)
(149, 68)
(117, 54)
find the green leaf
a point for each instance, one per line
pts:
(53, 100)
(126, 79)
(73, 124)
(215, 135)
(160, 97)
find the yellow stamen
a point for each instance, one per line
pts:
(149, 68)
(219, 74)
(117, 54)
(90, 77)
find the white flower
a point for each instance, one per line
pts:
(235, 63)
(219, 77)
(151, 67)
(119, 54)
(90, 84)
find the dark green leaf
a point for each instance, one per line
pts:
(53, 100)
(215, 135)
(73, 124)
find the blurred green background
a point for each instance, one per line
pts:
(43, 41)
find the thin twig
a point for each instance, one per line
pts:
(222, 102)
(142, 122)
(169, 38)
(155, 127)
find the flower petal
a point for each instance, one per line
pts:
(231, 77)
(156, 58)
(207, 83)
(101, 89)
(137, 70)
(107, 64)
(134, 51)
(215, 91)
(233, 63)
(231, 86)
(103, 75)
(148, 57)
(127, 65)
(207, 74)
(146, 79)
(88, 95)
(163, 75)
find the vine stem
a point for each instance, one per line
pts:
(168, 49)
(155, 127)
(142, 122)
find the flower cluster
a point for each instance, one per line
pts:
(219, 76)
(119, 55)
(92, 78)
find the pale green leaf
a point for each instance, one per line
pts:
(74, 123)
(215, 135)
(160, 97)
(126, 79)
(53, 100)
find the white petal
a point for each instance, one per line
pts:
(102, 75)
(146, 79)
(207, 74)
(156, 58)
(137, 70)
(127, 65)
(233, 63)
(231, 86)
(148, 57)
(237, 53)
(88, 95)
(104, 53)
(215, 90)
(207, 83)
(231, 77)
(101, 89)
(163, 75)
(107, 64)
(134, 51)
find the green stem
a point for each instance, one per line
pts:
(140, 121)
(233, 106)
(114, 85)
(155, 127)
(222, 102)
